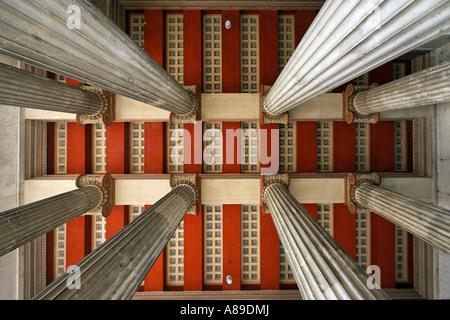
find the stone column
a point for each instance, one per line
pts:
(322, 269)
(76, 39)
(21, 225)
(426, 221)
(349, 38)
(116, 269)
(426, 87)
(20, 88)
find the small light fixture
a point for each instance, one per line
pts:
(227, 24)
(229, 279)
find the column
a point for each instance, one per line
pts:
(20, 88)
(116, 269)
(20, 225)
(76, 39)
(322, 269)
(349, 38)
(427, 221)
(426, 87)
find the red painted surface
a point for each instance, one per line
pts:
(76, 160)
(344, 147)
(269, 148)
(345, 228)
(155, 279)
(410, 259)
(192, 47)
(311, 208)
(409, 146)
(270, 252)
(232, 245)
(382, 74)
(383, 249)
(51, 147)
(231, 147)
(382, 150)
(231, 74)
(154, 147)
(193, 147)
(306, 146)
(75, 241)
(193, 251)
(303, 19)
(268, 46)
(116, 150)
(50, 257)
(116, 220)
(88, 149)
(153, 35)
(73, 82)
(88, 230)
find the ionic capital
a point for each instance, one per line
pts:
(349, 112)
(352, 181)
(190, 180)
(267, 181)
(106, 115)
(195, 114)
(106, 184)
(264, 116)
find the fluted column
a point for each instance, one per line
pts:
(94, 51)
(322, 269)
(116, 268)
(20, 88)
(351, 37)
(426, 87)
(427, 221)
(25, 223)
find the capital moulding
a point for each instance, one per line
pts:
(107, 186)
(264, 116)
(266, 181)
(192, 181)
(194, 115)
(352, 181)
(108, 113)
(349, 113)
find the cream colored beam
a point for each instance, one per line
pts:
(228, 190)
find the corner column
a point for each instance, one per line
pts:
(427, 221)
(116, 269)
(76, 39)
(350, 37)
(322, 269)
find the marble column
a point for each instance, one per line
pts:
(427, 221)
(20, 225)
(20, 88)
(426, 87)
(349, 38)
(116, 269)
(76, 39)
(321, 267)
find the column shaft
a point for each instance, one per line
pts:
(20, 88)
(428, 222)
(116, 269)
(322, 269)
(94, 50)
(25, 223)
(422, 88)
(351, 37)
